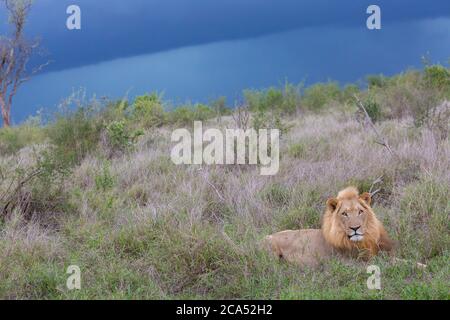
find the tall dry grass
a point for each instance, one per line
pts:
(141, 227)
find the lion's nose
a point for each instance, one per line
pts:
(355, 228)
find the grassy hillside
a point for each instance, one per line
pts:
(95, 187)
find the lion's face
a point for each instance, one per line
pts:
(349, 222)
(353, 216)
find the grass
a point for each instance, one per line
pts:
(140, 227)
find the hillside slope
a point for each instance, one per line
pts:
(139, 226)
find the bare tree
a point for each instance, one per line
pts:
(241, 116)
(15, 53)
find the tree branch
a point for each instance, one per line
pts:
(15, 53)
(381, 140)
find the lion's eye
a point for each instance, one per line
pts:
(360, 212)
(345, 214)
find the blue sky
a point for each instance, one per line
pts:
(199, 49)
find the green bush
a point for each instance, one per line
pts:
(438, 77)
(377, 81)
(273, 99)
(75, 135)
(318, 95)
(118, 110)
(268, 120)
(257, 100)
(219, 106)
(413, 93)
(269, 106)
(104, 180)
(36, 190)
(279, 101)
(348, 93)
(202, 112)
(373, 109)
(182, 116)
(119, 136)
(186, 115)
(408, 94)
(15, 138)
(148, 110)
(291, 98)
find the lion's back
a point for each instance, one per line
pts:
(304, 247)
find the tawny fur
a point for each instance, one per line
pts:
(311, 246)
(375, 238)
(306, 247)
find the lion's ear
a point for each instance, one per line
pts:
(366, 197)
(332, 204)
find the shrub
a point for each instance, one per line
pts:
(268, 106)
(253, 99)
(279, 101)
(348, 93)
(438, 77)
(13, 139)
(408, 95)
(34, 190)
(219, 106)
(394, 99)
(318, 95)
(373, 109)
(186, 115)
(264, 100)
(119, 136)
(148, 110)
(202, 112)
(377, 81)
(75, 135)
(291, 98)
(104, 180)
(182, 116)
(412, 93)
(268, 120)
(422, 105)
(438, 121)
(272, 99)
(116, 111)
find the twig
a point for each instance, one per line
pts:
(214, 188)
(377, 181)
(381, 140)
(20, 185)
(418, 264)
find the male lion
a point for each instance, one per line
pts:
(349, 227)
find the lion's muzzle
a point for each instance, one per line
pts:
(356, 234)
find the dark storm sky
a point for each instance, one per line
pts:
(198, 49)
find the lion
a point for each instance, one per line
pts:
(349, 228)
